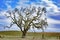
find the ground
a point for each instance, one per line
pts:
(27, 38)
(16, 35)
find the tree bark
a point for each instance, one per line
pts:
(24, 34)
(43, 34)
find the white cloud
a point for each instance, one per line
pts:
(51, 6)
(51, 25)
(14, 27)
(50, 29)
(2, 13)
(21, 3)
(6, 22)
(53, 21)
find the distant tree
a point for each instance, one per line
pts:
(28, 17)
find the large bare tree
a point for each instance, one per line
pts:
(28, 17)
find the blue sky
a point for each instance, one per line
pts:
(52, 6)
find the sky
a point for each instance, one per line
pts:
(52, 7)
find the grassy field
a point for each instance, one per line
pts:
(16, 35)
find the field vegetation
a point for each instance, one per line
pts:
(16, 35)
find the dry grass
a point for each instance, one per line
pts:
(27, 38)
(16, 35)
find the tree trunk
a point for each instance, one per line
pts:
(24, 34)
(43, 34)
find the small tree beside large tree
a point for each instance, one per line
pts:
(28, 17)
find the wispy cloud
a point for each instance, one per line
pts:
(52, 9)
(53, 21)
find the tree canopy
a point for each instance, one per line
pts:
(27, 17)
